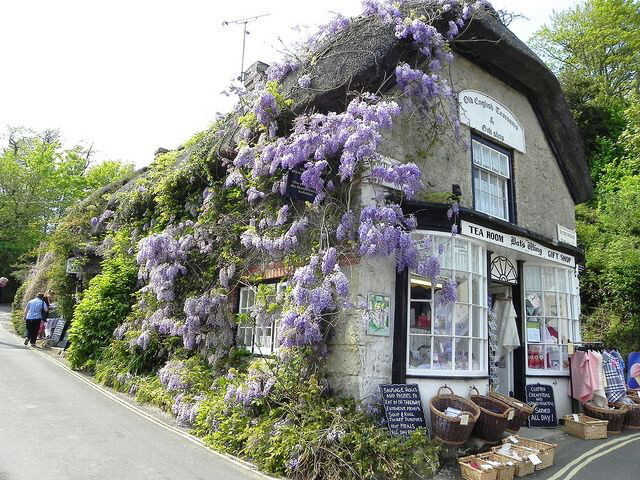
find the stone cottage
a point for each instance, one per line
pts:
(515, 258)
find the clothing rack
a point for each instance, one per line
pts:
(583, 346)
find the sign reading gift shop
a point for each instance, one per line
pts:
(514, 242)
(486, 115)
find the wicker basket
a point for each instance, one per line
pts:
(585, 427)
(494, 417)
(523, 411)
(523, 466)
(471, 469)
(614, 415)
(546, 452)
(506, 469)
(632, 418)
(447, 429)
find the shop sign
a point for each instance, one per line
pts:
(545, 413)
(296, 189)
(517, 243)
(567, 235)
(403, 408)
(74, 266)
(486, 115)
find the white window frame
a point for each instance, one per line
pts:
(479, 167)
(475, 339)
(570, 322)
(253, 332)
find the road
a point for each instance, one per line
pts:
(54, 425)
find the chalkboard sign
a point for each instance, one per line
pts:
(403, 408)
(295, 187)
(545, 413)
(57, 332)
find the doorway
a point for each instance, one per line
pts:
(503, 339)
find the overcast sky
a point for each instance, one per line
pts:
(133, 75)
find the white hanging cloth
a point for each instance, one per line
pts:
(508, 338)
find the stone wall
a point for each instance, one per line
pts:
(542, 197)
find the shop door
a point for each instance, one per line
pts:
(503, 338)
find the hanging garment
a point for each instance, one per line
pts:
(597, 374)
(616, 388)
(581, 378)
(508, 339)
(633, 362)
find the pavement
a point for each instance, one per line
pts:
(57, 424)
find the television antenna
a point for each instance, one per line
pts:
(243, 22)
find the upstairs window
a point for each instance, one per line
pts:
(491, 179)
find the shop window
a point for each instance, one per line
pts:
(449, 339)
(552, 307)
(258, 339)
(491, 179)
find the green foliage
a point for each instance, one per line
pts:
(105, 305)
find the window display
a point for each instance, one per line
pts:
(449, 339)
(552, 311)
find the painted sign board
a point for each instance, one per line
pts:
(488, 116)
(545, 413)
(567, 235)
(403, 408)
(517, 243)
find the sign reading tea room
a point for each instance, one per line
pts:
(486, 115)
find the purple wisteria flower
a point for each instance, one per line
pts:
(305, 81)
(266, 108)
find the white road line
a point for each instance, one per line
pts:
(582, 458)
(236, 461)
(607, 451)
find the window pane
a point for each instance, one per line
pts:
(486, 157)
(475, 259)
(420, 351)
(564, 307)
(442, 353)
(477, 289)
(533, 304)
(462, 320)
(477, 152)
(548, 278)
(478, 354)
(443, 319)
(420, 317)
(461, 255)
(462, 354)
(550, 304)
(420, 289)
(535, 357)
(532, 278)
(478, 322)
(462, 293)
(553, 357)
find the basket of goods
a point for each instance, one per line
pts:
(584, 427)
(614, 415)
(519, 457)
(494, 417)
(505, 467)
(545, 452)
(632, 418)
(452, 417)
(522, 411)
(474, 468)
(634, 395)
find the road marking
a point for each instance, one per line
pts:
(612, 443)
(591, 459)
(245, 466)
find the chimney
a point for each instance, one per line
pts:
(255, 75)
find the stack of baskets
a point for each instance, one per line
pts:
(585, 427)
(452, 430)
(614, 415)
(494, 417)
(546, 452)
(522, 411)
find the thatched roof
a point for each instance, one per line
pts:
(365, 55)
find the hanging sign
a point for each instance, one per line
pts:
(545, 413)
(487, 115)
(295, 187)
(403, 408)
(514, 242)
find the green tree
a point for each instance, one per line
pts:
(39, 180)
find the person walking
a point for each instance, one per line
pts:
(34, 313)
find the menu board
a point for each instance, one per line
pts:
(545, 413)
(403, 408)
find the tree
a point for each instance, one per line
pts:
(39, 180)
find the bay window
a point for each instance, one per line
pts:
(552, 307)
(449, 339)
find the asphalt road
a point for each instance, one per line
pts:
(54, 425)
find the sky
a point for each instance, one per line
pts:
(129, 76)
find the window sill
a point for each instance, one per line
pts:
(445, 374)
(547, 373)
